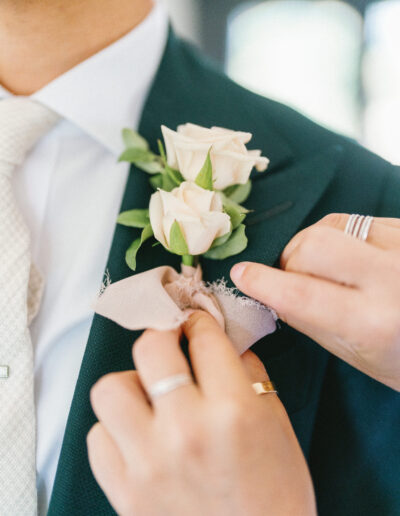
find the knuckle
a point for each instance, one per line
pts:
(93, 435)
(103, 389)
(238, 416)
(150, 473)
(142, 348)
(188, 441)
(306, 251)
(335, 220)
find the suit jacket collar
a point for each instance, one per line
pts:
(281, 200)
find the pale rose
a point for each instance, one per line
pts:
(198, 212)
(232, 163)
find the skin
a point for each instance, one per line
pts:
(341, 292)
(42, 39)
(212, 447)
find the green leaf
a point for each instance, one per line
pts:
(174, 175)
(221, 240)
(156, 181)
(134, 218)
(152, 167)
(205, 176)
(133, 140)
(162, 181)
(238, 193)
(131, 253)
(232, 204)
(236, 216)
(177, 242)
(161, 150)
(167, 183)
(137, 156)
(235, 245)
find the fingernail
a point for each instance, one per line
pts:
(237, 271)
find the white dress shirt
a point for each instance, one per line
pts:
(70, 189)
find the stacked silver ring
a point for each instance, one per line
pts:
(358, 226)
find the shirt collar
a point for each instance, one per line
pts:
(107, 92)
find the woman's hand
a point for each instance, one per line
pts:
(340, 291)
(211, 447)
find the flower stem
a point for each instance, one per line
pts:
(188, 259)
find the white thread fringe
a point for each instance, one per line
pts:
(219, 287)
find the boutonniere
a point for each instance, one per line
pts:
(201, 181)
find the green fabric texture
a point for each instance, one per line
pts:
(348, 425)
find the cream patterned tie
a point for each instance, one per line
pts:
(22, 123)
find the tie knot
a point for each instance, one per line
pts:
(22, 123)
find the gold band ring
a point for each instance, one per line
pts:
(264, 388)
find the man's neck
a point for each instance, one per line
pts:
(42, 39)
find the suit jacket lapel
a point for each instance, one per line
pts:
(280, 200)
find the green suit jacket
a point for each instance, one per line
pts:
(348, 425)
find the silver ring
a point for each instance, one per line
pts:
(169, 384)
(358, 226)
(365, 228)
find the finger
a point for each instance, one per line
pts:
(217, 366)
(120, 404)
(384, 233)
(157, 356)
(257, 373)
(330, 254)
(339, 221)
(300, 300)
(106, 462)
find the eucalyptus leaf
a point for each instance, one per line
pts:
(131, 253)
(238, 193)
(133, 140)
(235, 245)
(177, 242)
(134, 218)
(205, 176)
(137, 156)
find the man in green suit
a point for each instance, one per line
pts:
(346, 423)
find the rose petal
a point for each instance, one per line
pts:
(169, 141)
(173, 202)
(156, 217)
(196, 197)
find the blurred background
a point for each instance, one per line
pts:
(337, 62)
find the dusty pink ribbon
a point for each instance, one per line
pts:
(162, 299)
